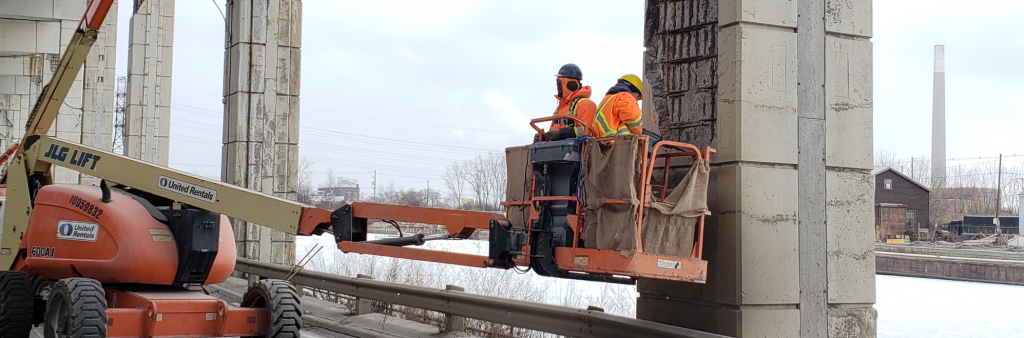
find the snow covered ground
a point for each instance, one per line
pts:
(935, 308)
(907, 307)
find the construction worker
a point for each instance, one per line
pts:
(574, 100)
(619, 112)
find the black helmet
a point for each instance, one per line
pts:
(571, 70)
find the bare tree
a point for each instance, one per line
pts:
(455, 181)
(305, 192)
(484, 174)
(885, 158)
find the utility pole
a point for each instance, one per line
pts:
(428, 194)
(374, 184)
(999, 192)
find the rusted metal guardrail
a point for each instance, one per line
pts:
(534, 316)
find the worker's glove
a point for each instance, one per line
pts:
(554, 135)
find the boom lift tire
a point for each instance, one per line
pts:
(77, 308)
(16, 303)
(41, 289)
(282, 304)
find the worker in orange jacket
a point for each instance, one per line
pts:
(574, 100)
(619, 113)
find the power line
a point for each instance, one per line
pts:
(377, 140)
(377, 118)
(922, 159)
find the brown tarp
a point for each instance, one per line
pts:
(611, 172)
(669, 226)
(520, 182)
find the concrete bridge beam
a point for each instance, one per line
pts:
(783, 90)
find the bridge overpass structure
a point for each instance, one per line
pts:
(781, 88)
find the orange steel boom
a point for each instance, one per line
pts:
(519, 247)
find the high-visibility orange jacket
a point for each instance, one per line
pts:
(618, 113)
(576, 103)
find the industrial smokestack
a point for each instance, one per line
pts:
(939, 119)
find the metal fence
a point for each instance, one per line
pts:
(533, 316)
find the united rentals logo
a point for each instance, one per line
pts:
(188, 189)
(78, 231)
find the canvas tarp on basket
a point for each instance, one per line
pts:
(611, 173)
(519, 183)
(669, 226)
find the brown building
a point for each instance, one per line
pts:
(895, 192)
(890, 221)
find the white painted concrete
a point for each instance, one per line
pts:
(261, 110)
(789, 243)
(150, 64)
(33, 36)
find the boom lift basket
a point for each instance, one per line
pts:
(601, 208)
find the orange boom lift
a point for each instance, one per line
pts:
(125, 259)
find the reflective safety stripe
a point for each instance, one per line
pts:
(572, 106)
(602, 123)
(572, 112)
(634, 124)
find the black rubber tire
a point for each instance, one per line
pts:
(77, 309)
(41, 289)
(16, 304)
(281, 301)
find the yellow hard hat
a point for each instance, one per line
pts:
(635, 81)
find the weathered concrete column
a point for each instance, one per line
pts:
(261, 113)
(783, 90)
(98, 92)
(33, 37)
(150, 60)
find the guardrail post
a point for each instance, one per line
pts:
(363, 305)
(454, 323)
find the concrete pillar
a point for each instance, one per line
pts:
(261, 113)
(783, 90)
(99, 91)
(34, 37)
(150, 60)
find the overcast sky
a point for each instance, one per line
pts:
(406, 87)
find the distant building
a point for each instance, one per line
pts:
(900, 199)
(955, 203)
(344, 189)
(984, 225)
